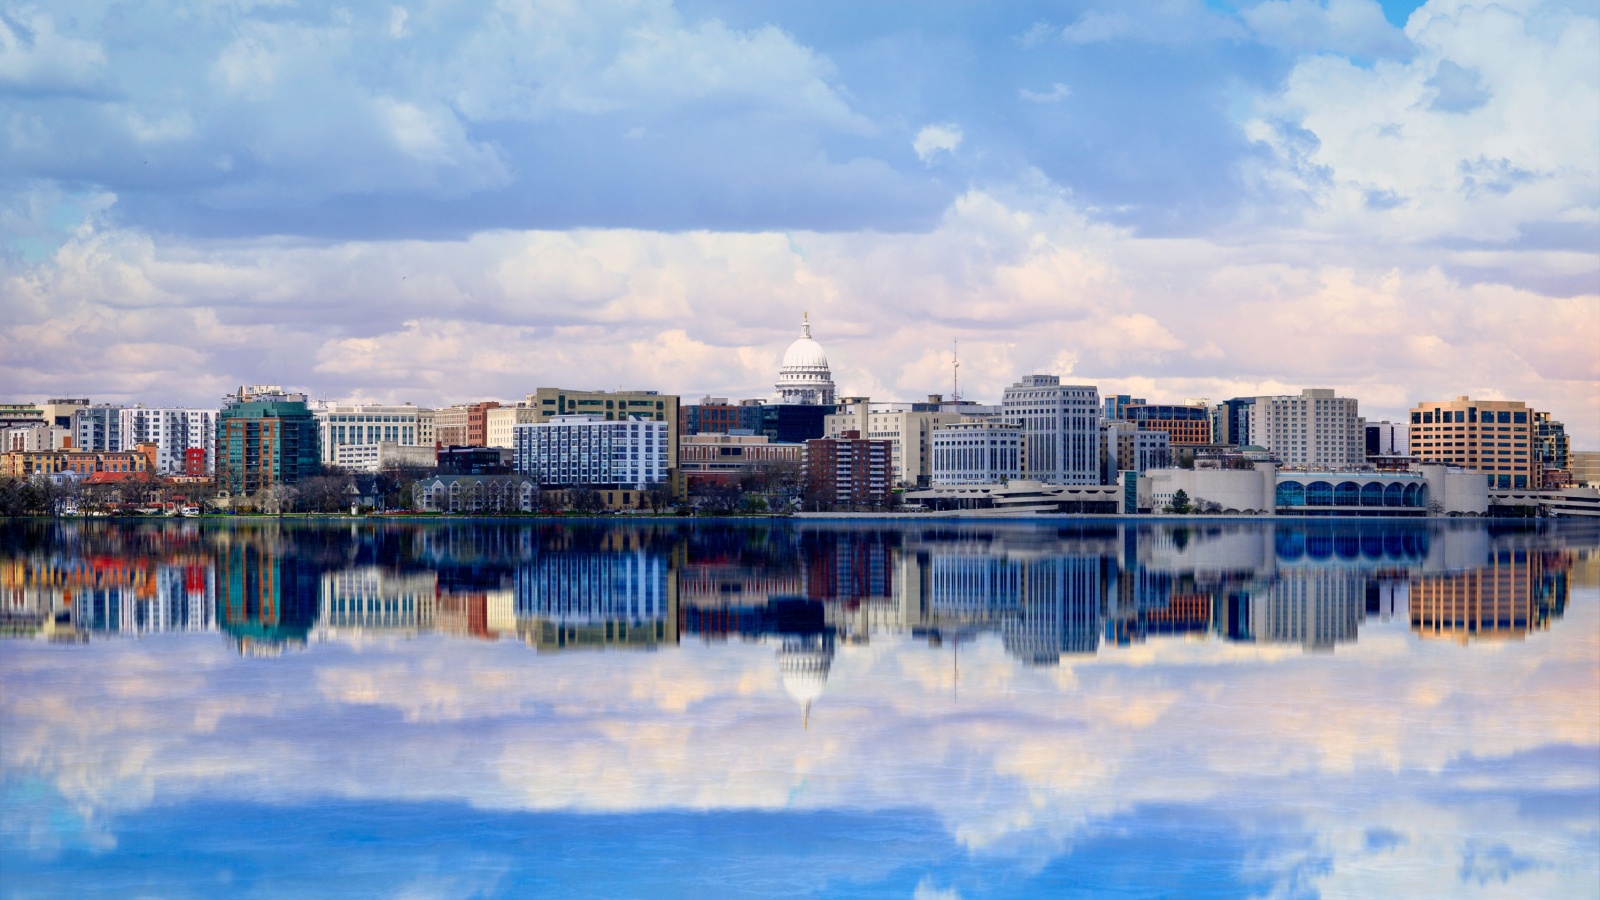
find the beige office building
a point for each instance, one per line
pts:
(365, 426)
(1489, 436)
(450, 425)
(1311, 430)
(908, 429)
(1585, 468)
(499, 422)
(547, 403)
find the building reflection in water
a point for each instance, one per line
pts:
(1047, 591)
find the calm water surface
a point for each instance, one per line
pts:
(930, 710)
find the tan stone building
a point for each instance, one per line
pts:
(499, 422)
(1585, 468)
(1489, 436)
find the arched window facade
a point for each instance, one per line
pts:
(1319, 493)
(1291, 493)
(1347, 493)
(1372, 494)
(1394, 495)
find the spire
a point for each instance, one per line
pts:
(805, 324)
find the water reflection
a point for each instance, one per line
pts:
(1046, 592)
(1253, 707)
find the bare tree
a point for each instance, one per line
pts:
(324, 493)
(275, 500)
(585, 499)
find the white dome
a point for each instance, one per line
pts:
(804, 662)
(805, 353)
(804, 377)
(805, 673)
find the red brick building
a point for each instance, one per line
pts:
(707, 459)
(849, 470)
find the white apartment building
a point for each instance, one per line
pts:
(976, 452)
(589, 450)
(383, 455)
(367, 426)
(1312, 430)
(1060, 428)
(174, 431)
(500, 422)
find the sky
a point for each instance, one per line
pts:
(443, 202)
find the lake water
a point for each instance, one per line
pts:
(929, 710)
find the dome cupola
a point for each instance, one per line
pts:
(805, 377)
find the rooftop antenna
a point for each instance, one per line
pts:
(955, 371)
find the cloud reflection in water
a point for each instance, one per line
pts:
(993, 709)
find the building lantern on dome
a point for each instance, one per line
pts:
(805, 378)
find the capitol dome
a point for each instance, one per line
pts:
(804, 661)
(805, 377)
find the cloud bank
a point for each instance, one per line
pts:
(442, 204)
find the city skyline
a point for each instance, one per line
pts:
(1208, 200)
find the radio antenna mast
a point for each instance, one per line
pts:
(955, 370)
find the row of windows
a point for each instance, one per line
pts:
(1350, 493)
(373, 419)
(609, 404)
(1471, 414)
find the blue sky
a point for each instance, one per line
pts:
(442, 202)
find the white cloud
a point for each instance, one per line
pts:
(1491, 127)
(1056, 94)
(934, 138)
(1159, 21)
(1351, 27)
(34, 56)
(1024, 284)
(397, 23)
(926, 890)
(535, 59)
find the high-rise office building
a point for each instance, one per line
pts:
(1060, 428)
(1231, 421)
(1314, 429)
(1494, 437)
(1388, 439)
(976, 452)
(1554, 450)
(1185, 424)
